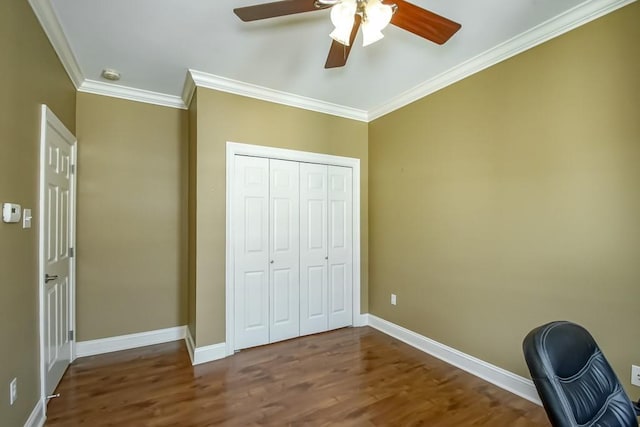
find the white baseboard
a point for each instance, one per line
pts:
(188, 340)
(204, 354)
(126, 342)
(502, 378)
(209, 353)
(361, 320)
(37, 418)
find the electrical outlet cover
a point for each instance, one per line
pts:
(13, 391)
(635, 375)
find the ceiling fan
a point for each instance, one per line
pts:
(349, 15)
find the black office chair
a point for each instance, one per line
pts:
(576, 383)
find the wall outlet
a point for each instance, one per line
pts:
(393, 299)
(635, 375)
(13, 390)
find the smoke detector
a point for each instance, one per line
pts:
(111, 74)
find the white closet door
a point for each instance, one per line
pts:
(284, 290)
(313, 248)
(340, 274)
(251, 246)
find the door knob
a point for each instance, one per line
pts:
(48, 278)
(271, 261)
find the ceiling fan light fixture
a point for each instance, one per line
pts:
(342, 17)
(370, 35)
(376, 17)
(349, 15)
(341, 35)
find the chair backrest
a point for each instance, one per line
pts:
(574, 380)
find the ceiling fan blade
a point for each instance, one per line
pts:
(423, 23)
(278, 8)
(338, 53)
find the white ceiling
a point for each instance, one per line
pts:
(153, 43)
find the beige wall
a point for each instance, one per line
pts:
(132, 217)
(512, 198)
(224, 117)
(31, 75)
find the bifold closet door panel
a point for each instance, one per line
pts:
(340, 243)
(313, 249)
(284, 230)
(251, 251)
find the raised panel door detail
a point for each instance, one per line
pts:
(316, 224)
(254, 177)
(63, 302)
(63, 242)
(254, 222)
(282, 178)
(282, 281)
(339, 223)
(338, 183)
(52, 327)
(54, 155)
(338, 289)
(283, 210)
(65, 161)
(52, 223)
(316, 179)
(255, 288)
(315, 289)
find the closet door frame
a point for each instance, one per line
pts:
(235, 149)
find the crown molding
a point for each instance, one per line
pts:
(52, 28)
(132, 94)
(573, 18)
(554, 27)
(236, 87)
(189, 89)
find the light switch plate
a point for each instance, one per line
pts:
(13, 391)
(26, 218)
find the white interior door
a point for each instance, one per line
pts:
(57, 236)
(325, 241)
(340, 268)
(313, 248)
(284, 290)
(251, 246)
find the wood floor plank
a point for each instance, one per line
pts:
(348, 377)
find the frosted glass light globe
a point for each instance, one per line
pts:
(342, 17)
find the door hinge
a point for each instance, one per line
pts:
(73, 169)
(71, 335)
(71, 252)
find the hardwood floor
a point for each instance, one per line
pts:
(348, 377)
